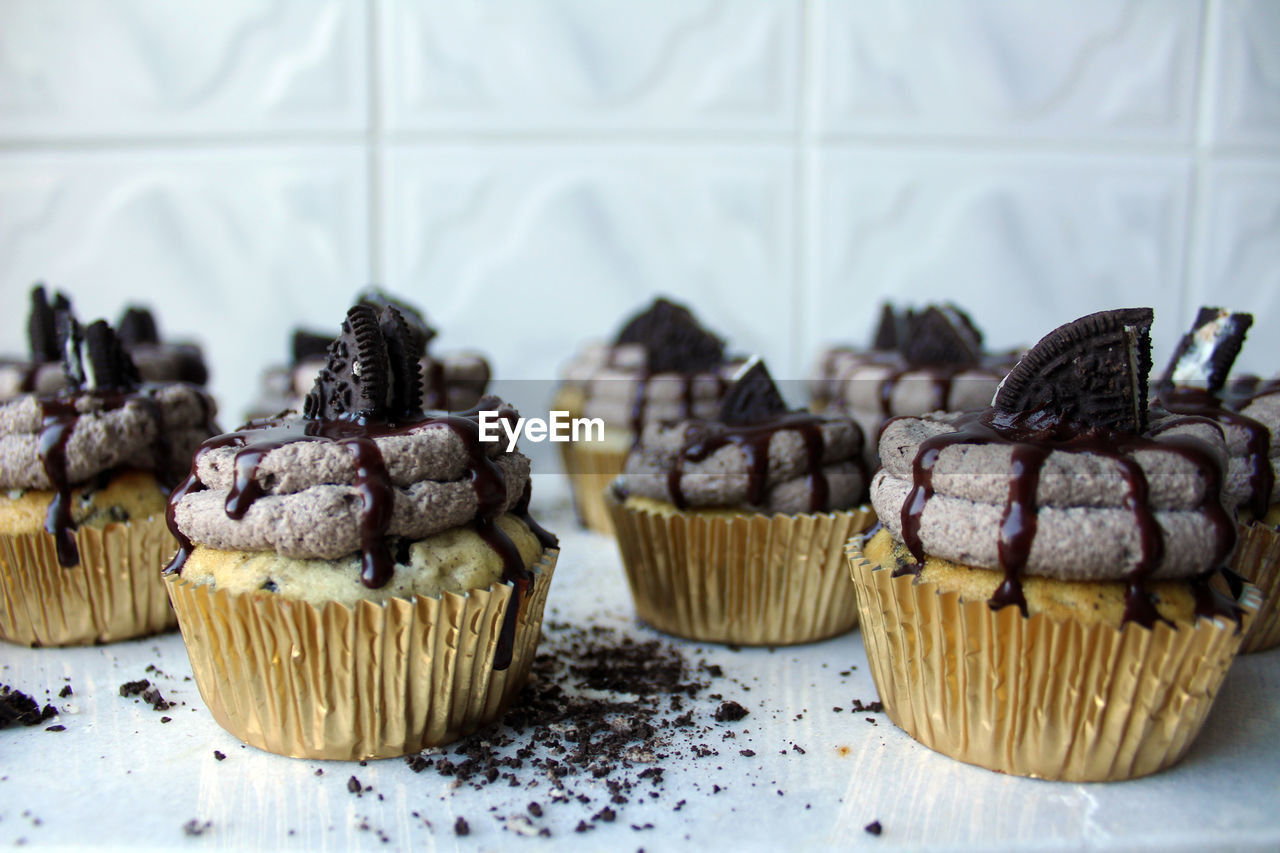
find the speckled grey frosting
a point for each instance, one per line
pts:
(611, 376)
(106, 438)
(1265, 409)
(722, 479)
(311, 508)
(1084, 531)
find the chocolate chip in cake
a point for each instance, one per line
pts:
(753, 397)
(673, 339)
(1205, 355)
(1091, 372)
(940, 334)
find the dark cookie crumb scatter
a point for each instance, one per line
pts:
(730, 712)
(19, 709)
(874, 828)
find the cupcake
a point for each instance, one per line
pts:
(386, 549)
(84, 474)
(452, 381)
(1042, 597)
(1248, 413)
(732, 527)
(662, 366)
(920, 361)
(42, 372)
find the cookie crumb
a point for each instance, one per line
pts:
(460, 826)
(730, 712)
(196, 827)
(221, 756)
(874, 828)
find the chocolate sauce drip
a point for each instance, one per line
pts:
(1198, 402)
(709, 436)
(60, 419)
(1033, 437)
(373, 482)
(546, 538)
(1211, 603)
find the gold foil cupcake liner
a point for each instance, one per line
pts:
(591, 470)
(1038, 697)
(115, 593)
(373, 681)
(1257, 560)
(753, 580)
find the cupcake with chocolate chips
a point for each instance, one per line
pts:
(451, 381)
(385, 546)
(662, 366)
(931, 360)
(1248, 413)
(85, 472)
(732, 527)
(1043, 597)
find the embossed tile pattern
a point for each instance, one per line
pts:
(232, 249)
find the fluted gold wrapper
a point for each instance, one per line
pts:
(1257, 560)
(591, 469)
(114, 594)
(1039, 697)
(751, 579)
(373, 681)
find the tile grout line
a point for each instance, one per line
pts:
(373, 146)
(801, 190)
(1194, 217)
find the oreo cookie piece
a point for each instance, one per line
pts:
(70, 343)
(1205, 354)
(372, 371)
(1091, 372)
(672, 339)
(108, 367)
(309, 345)
(940, 334)
(42, 331)
(405, 348)
(753, 397)
(414, 319)
(886, 339)
(137, 326)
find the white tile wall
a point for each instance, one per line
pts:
(531, 172)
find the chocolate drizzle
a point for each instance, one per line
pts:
(1199, 402)
(1032, 438)
(751, 413)
(369, 389)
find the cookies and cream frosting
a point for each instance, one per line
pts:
(1065, 475)
(663, 366)
(755, 455)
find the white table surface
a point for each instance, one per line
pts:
(118, 778)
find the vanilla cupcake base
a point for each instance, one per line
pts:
(369, 681)
(1257, 560)
(1052, 699)
(745, 579)
(115, 593)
